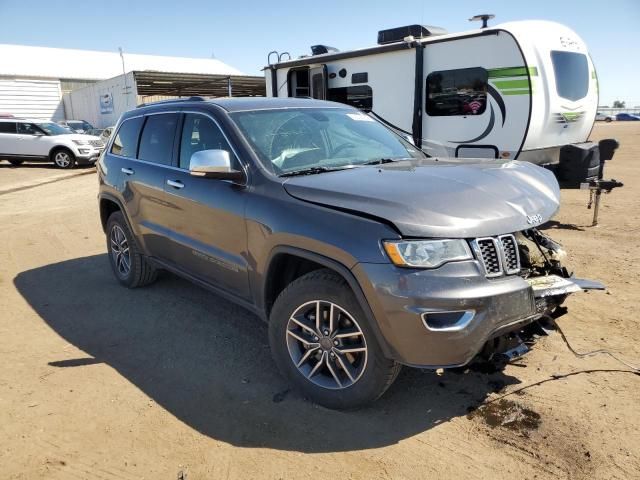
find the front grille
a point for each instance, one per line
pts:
(498, 256)
(96, 143)
(510, 254)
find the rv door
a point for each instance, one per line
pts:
(318, 76)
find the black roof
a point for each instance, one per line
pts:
(237, 104)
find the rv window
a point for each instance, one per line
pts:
(360, 96)
(572, 74)
(457, 92)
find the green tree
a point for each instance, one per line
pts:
(618, 104)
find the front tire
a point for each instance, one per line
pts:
(16, 163)
(322, 341)
(607, 120)
(63, 158)
(130, 267)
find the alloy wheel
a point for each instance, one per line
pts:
(62, 159)
(326, 345)
(120, 251)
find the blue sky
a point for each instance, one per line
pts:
(241, 33)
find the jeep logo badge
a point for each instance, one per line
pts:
(532, 219)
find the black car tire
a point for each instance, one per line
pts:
(63, 158)
(607, 120)
(326, 286)
(16, 163)
(139, 272)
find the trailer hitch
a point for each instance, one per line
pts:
(598, 185)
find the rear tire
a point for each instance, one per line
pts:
(129, 266)
(607, 120)
(16, 163)
(63, 158)
(336, 362)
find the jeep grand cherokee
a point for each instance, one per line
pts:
(360, 252)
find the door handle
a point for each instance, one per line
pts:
(175, 184)
(128, 171)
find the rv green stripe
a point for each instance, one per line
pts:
(515, 92)
(512, 72)
(511, 84)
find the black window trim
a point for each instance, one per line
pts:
(426, 90)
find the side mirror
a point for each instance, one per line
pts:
(213, 164)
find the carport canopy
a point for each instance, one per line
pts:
(151, 83)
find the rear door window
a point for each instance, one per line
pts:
(156, 142)
(125, 143)
(572, 74)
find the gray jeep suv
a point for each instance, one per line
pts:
(360, 252)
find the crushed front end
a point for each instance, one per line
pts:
(487, 306)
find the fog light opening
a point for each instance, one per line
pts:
(447, 321)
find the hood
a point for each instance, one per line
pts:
(439, 198)
(79, 136)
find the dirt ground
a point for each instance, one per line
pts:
(172, 382)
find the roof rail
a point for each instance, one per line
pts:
(173, 100)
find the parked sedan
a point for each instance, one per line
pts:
(627, 117)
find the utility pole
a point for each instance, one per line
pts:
(124, 73)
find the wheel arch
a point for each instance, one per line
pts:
(55, 148)
(276, 278)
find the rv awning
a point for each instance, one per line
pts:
(150, 83)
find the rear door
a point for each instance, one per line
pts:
(205, 215)
(144, 147)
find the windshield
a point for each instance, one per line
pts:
(572, 74)
(53, 128)
(317, 138)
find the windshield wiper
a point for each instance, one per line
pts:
(313, 171)
(381, 161)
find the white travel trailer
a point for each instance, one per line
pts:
(519, 90)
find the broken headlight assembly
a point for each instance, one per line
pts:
(427, 253)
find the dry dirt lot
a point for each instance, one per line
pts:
(173, 382)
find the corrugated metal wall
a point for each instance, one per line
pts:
(84, 104)
(31, 98)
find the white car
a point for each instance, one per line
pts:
(605, 117)
(44, 141)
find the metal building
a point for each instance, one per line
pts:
(34, 81)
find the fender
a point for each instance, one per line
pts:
(339, 268)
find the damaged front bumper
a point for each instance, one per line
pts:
(447, 316)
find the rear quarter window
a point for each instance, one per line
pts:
(7, 127)
(125, 142)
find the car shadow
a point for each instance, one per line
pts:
(207, 362)
(41, 166)
(556, 225)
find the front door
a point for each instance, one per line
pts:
(318, 77)
(206, 223)
(32, 140)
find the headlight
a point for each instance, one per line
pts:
(80, 142)
(426, 253)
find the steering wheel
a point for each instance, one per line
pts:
(344, 146)
(295, 133)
